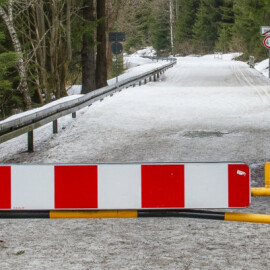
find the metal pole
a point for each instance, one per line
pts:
(31, 141)
(117, 69)
(55, 127)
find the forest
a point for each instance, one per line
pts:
(48, 45)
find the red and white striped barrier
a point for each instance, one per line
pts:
(124, 186)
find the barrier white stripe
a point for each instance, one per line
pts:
(119, 186)
(206, 186)
(32, 187)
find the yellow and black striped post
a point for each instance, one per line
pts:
(263, 191)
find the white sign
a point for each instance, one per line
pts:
(266, 42)
(265, 30)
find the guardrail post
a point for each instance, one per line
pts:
(140, 83)
(31, 141)
(158, 75)
(55, 127)
(145, 81)
(74, 115)
(150, 78)
(155, 78)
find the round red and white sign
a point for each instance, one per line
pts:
(266, 42)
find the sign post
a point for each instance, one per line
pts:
(117, 47)
(265, 32)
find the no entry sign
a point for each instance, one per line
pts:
(265, 30)
(266, 42)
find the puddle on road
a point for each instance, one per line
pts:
(204, 134)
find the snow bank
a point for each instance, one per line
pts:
(135, 64)
(148, 51)
(263, 67)
(59, 101)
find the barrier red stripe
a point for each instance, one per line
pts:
(5, 187)
(239, 186)
(163, 186)
(76, 187)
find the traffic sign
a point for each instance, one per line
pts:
(117, 36)
(266, 42)
(117, 48)
(265, 30)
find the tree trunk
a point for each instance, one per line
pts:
(101, 65)
(41, 51)
(88, 50)
(172, 25)
(8, 19)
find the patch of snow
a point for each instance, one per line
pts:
(135, 65)
(263, 67)
(49, 105)
(148, 51)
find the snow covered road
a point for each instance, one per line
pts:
(203, 109)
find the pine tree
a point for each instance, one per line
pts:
(227, 22)
(249, 16)
(9, 97)
(205, 30)
(160, 27)
(186, 19)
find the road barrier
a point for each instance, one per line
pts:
(197, 214)
(10, 129)
(124, 186)
(263, 191)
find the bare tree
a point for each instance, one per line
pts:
(101, 64)
(7, 16)
(172, 20)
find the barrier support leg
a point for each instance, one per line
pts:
(55, 127)
(263, 191)
(267, 175)
(31, 141)
(74, 115)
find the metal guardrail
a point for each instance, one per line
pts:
(27, 123)
(172, 59)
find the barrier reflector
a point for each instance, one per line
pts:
(5, 187)
(75, 187)
(119, 186)
(163, 186)
(206, 185)
(239, 187)
(32, 187)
